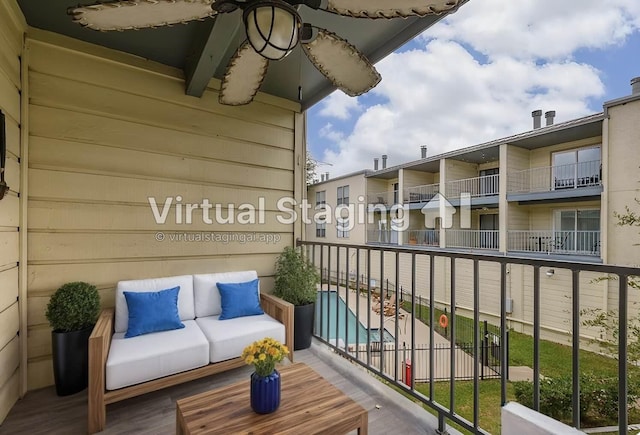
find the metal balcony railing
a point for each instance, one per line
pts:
(383, 198)
(424, 237)
(384, 237)
(576, 175)
(346, 313)
(487, 185)
(421, 193)
(473, 239)
(555, 242)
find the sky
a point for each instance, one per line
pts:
(477, 75)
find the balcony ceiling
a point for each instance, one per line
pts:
(180, 45)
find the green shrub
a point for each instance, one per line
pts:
(598, 398)
(74, 306)
(296, 278)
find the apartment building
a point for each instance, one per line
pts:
(550, 192)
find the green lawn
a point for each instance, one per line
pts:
(555, 360)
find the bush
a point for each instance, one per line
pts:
(598, 398)
(296, 278)
(74, 306)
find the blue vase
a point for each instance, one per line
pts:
(265, 392)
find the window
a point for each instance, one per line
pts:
(343, 199)
(321, 227)
(489, 227)
(489, 185)
(396, 187)
(577, 168)
(343, 195)
(577, 231)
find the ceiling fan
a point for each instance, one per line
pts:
(274, 28)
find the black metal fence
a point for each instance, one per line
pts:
(358, 347)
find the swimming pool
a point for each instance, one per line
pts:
(334, 307)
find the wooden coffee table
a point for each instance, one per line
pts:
(309, 405)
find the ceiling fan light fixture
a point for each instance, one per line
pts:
(273, 28)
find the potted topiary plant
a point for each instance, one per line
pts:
(296, 282)
(72, 312)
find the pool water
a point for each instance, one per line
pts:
(329, 307)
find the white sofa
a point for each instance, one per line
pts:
(120, 368)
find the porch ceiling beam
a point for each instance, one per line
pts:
(211, 50)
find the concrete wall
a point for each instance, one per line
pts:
(108, 131)
(12, 27)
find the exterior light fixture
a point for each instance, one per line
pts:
(272, 28)
(550, 272)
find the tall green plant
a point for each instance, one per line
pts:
(296, 278)
(74, 306)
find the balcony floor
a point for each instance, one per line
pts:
(42, 412)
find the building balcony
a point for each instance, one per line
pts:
(577, 180)
(473, 239)
(477, 187)
(424, 238)
(383, 237)
(386, 199)
(420, 194)
(580, 243)
(404, 336)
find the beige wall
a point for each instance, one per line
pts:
(11, 36)
(457, 170)
(107, 131)
(623, 182)
(357, 191)
(418, 178)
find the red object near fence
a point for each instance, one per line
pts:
(407, 372)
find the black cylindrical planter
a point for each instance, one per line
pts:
(303, 326)
(70, 360)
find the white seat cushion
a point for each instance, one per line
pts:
(185, 296)
(228, 338)
(151, 356)
(207, 295)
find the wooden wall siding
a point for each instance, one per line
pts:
(541, 157)
(417, 178)
(105, 135)
(11, 36)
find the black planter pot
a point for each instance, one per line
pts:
(303, 326)
(70, 360)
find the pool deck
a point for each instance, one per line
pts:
(463, 361)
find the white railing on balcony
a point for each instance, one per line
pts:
(473, 239)
(487, 185)
(424, 237)
(555, 242)
(421, 193)
(383, 198)
(385, 237)
(550, 178)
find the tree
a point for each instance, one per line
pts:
(311, 166)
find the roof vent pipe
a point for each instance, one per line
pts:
(375, 164)
(550, 116)
(321, 177)
(537, 119)
(326, 176)
(384, 161)
(635, 86)
(423, 151)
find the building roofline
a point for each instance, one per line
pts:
(352, 174)
(513, 139)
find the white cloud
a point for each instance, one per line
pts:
(329, 132)
(339, 105)
(443, 97)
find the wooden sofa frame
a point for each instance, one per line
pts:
(100, 341)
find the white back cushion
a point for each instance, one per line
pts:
(207, 295)
(185, 296)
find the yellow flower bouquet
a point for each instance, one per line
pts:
(264, 354)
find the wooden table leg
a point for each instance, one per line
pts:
(364, 424)
(179, 427)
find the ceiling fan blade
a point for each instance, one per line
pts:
(140, 14)
(390, 9)
(341, 63)
(244, 75)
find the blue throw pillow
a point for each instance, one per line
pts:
(152, 312)
(239, 299)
